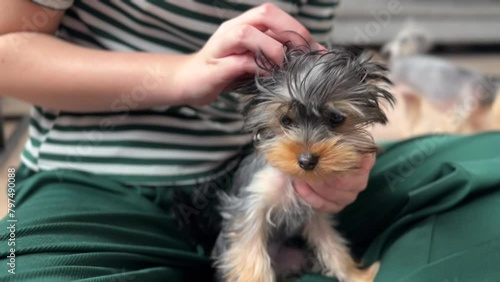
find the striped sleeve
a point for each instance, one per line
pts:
(318, 16)
(55, 4)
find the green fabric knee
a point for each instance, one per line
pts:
(429, 214)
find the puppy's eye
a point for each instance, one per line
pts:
(336, 119)
(286, 121)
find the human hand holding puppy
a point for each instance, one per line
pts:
(338, 191)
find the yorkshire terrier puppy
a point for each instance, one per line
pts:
(308, 117)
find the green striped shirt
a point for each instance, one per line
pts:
(165, 145)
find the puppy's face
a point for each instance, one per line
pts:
(309, 115)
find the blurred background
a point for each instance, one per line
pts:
(449, 22)
(443, 56)
(440, 53)
(465, 31)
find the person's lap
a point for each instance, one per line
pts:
(93, 229)
(429, 214)
(432, 207)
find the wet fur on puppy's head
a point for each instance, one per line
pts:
(309, 114)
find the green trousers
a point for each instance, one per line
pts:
(431, 213)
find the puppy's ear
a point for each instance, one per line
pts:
(266, 67)
(376, 75)
(245, 85)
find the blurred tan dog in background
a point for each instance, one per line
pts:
(435, 95)
(416, 116)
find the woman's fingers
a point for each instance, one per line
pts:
(356, 180)
(368, 162)
(316, 201)
(229, 54)
(288, 37)
(243, 38)
(269, 17)
(261, 30)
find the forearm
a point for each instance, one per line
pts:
(49, 72)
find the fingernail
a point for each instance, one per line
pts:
(320, 47)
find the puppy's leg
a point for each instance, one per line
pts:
(332, 251)
(247, 259)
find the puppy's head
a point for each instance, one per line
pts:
(309, 114)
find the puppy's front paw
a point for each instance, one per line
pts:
(364, 275)
(247, 263)
(258, 272)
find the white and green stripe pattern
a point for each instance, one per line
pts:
(163, 146)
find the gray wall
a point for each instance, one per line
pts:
(448, 21)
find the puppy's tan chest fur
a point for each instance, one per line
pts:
(283, 209)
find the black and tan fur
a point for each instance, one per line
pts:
(309, 117)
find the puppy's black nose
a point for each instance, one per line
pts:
(308, 161)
